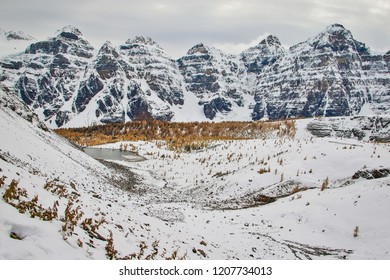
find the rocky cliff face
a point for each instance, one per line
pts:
(331, 74)
(67, 82)
(213, 77)
(64, 82)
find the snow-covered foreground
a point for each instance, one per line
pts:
(232, 200)
(220, 195)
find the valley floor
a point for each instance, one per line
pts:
(277, 198)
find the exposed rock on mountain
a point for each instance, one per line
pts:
(265, 54)
(370, 128)
(331, 74)
(214, 78)
(68, 40)
(67, 83)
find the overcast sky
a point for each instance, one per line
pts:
(177, 25)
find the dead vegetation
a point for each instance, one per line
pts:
(71, 221)
(17, 197)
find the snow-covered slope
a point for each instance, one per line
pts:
(254, 199)
(58, 203)
(68, 83)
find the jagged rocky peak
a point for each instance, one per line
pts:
(68, 40)
(199, 49)
(269, 45)
(143, 40)
(106, 63)
(271, 40)
(108, 49)
(264, 54)
(144, 50)
(70, 32)
(336, 37)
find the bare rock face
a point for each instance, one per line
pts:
(69, 40)
(214, 78)
(264, 55)
(327, 75)
(216, 105)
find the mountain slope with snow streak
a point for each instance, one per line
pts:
(69, 83)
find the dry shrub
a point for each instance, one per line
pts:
(112, 253)
(70, 219)
(91, 226)
(17, 197)
(356, 231)
(2, 180)
(61, 190)
(325, 184)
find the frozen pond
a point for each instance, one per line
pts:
(112, 154)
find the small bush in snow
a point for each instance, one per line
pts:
(325, 184)
(356, 231)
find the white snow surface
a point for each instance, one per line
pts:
(199, 203)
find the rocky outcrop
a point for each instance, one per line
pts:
(369, 128)
(370, 174)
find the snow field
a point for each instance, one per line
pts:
(210, 192)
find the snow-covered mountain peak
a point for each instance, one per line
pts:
(15, 35)
(336, 27)
(143, 40)
(70, 32)
(270, 45)
(335, 32)
(338, 39)
(199, 49)
(108, 48)
(68, 40)
(144, 50)
(271, 40)
(263, 55)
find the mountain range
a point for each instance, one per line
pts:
(69, 83)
